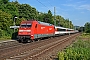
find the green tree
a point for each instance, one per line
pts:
(9, 8)
(40, 16)
(5, 23)
(49, 17)
(60, 21)
(27, 12)
(87, 27)
(4, 1)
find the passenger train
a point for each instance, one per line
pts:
(62, 31)
(33, 29)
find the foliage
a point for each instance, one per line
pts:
(80, 50)
(27, 11)
(10, 9)
(85, 35)
(87, 27)
(4, 1)
(5, 22)
(63, 22)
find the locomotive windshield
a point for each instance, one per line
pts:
(26, 25)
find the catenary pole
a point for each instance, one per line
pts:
(54, 17)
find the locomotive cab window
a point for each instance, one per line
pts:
(29, 25)
(25, 25)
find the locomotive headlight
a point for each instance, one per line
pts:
(31, 35)
(20, 30)
(28, 30)
(24, 30)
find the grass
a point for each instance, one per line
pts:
(5, 38)
(85, 35)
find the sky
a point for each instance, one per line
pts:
(77, 11)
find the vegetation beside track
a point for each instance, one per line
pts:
(85, 35)
(79, 50)
(5, 38)
(2, 39)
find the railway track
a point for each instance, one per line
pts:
(32, 51)
(7, 44)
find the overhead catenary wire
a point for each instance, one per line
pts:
(50, 4)
(45, 5)
(42, 4)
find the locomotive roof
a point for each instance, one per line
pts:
(48, 24)
(43, 23)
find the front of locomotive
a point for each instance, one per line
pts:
(24, 32)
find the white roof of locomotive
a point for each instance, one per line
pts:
(44, 23)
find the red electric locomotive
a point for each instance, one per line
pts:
(32, 29)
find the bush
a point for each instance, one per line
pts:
(79, 51)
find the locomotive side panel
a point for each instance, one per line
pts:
(44, 31)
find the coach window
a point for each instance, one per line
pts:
(61, 29)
